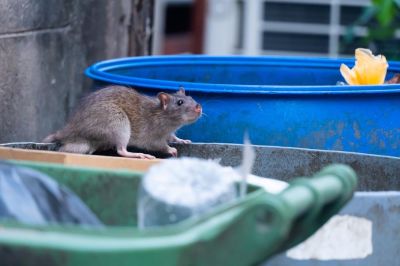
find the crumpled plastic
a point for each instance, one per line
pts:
(31, 197)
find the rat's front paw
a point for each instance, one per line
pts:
(182, 141)
(175, 139)
(172, 151)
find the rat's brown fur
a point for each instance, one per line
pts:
(116, 117)
(394, 80)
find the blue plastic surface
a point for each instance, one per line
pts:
(281, 101)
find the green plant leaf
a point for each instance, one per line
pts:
(381, 33)
(386, 12)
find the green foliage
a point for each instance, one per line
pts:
(382, 19)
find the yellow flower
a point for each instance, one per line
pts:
(368, 70)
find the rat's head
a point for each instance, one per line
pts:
(180, 107)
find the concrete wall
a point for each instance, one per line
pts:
(45, 45)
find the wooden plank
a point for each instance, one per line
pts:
(77, 159)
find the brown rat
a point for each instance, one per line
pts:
(118, 117)
(394, 80)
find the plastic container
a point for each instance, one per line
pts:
(281, 101)
(376, 201)
(241, 233)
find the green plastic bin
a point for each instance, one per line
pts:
(246, 232)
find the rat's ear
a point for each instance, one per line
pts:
(181, 91)
(164, 99)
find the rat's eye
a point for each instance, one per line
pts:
(180, 102)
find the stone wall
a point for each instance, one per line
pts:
(45, 45)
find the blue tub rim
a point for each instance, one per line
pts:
(98, 72)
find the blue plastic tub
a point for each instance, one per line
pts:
(280, 101)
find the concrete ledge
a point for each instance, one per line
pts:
(375, 173)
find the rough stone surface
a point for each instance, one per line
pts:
(45, 46)
(35, 82)
(25, 15)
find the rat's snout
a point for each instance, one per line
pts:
(197, 109)
(194, 112)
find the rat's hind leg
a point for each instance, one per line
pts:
(83, 147)
(121, 139)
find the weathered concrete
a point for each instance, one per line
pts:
(35, 79)
(45, 45)
(28, 15)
